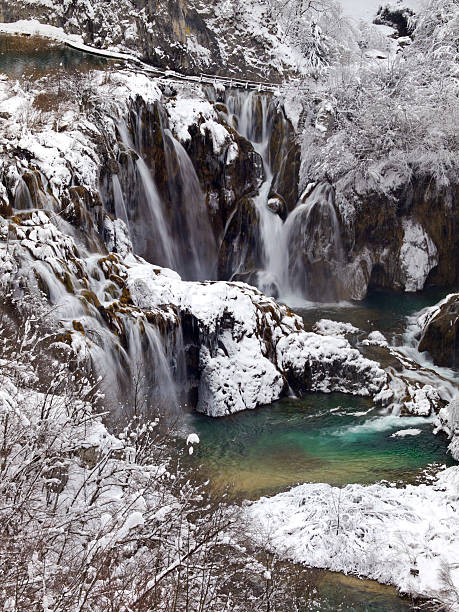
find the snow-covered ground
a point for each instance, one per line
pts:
(408, 537)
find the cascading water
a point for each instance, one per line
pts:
(315, 251)
(22, 197)
(118, 197)
(252, 120)
(303, 256)
(444, 380)
(132, 358)
(147, 226)
(171, 229)
(194, 242)
(297, 257)
(158, 227)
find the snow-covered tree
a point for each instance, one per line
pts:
(395, 115)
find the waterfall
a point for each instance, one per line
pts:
(171, 228)
(251, 112)
(22, 197)
(193, 233)
(118, 198)
(315, 252)
(158, 228)
(148, 228)
(164, 382)
(130, 356)
(302, 257)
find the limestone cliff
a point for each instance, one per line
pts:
(192, 36)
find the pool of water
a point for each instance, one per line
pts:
(382, 311)
(331, 438)
(31, 54)
(337, 592)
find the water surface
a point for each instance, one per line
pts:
(21, 55)
(333, 438)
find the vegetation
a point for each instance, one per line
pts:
(391, 118)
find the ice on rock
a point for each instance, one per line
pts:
(418, 255)
(325, 327)
(192, 439)
(448, 422)
(375, 338)
(402, 433)
(330, 364)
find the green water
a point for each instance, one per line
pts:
(330, 438)
(382, 311)
(31, 54)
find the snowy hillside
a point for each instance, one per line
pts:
(213, 290)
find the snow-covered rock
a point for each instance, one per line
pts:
(408, 537)
(326, 327)
(448, 422)
(325, 363)
(418, 255)
(250, 346)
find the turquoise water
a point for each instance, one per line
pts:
(382, 311)
(331, 438)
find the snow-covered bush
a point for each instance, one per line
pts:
(93, 521)
(394, 118)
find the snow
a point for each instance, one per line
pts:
(421, 400)
(35, 28)
(375, 338)
(219, 134)
(407, 536)
(448, 423)
(402, 433)
(427, 314)
(367, 9)
(325, 327)
(184, 112)
(418, 255)
(332, 363)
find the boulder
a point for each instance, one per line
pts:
(440, 336)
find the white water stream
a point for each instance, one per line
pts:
(292, 250)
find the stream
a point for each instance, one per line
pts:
(333, 438)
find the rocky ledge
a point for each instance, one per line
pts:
(440, 327)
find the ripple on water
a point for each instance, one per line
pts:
(330, 438)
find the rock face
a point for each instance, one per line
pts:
(440, 335)
(404, 240)
(250, 348)
(226, 344)
(75, 210)
(185, 35)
